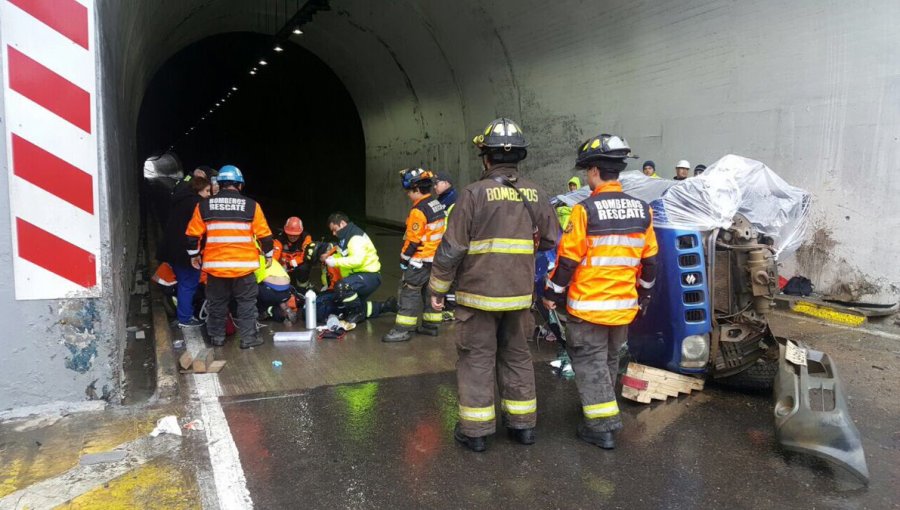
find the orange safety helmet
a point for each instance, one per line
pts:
(293, 226)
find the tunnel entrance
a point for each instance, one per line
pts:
(292, 128)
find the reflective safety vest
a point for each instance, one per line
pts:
(264, 272)
(231, 225)
(599, 256)
(164, 275)
(291, 254)
(425, 228)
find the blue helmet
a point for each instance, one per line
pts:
(414, 177)
(230, 173)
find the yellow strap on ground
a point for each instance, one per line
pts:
(828, 314)
(519, 406)
(493, 304)
(604, 410)
(406, 320)
(476, 413)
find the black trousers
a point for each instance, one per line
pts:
(219, 291)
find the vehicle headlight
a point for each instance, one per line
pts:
(694, 351)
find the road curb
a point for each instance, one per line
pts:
(166, 370)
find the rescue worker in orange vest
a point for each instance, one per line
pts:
(290, 252)
(606, 266)
(488, 248)
(425, 227)
(231, 225)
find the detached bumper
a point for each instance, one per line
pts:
(811, 414)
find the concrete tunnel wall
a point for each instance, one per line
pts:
(811, 88)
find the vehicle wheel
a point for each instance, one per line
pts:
(757, 377)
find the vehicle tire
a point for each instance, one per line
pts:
(759, 376)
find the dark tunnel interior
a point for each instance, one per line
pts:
(292, 128)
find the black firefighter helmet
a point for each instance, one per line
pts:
(503, 141)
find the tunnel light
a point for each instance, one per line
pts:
(253, 71)
(297, 31)
(278, 48)
(263, 62)
(218, 104)
(233, 88)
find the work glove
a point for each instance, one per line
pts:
(557, 297)
(643, 299)
(293, 263)
(403, 266)
(330, 262)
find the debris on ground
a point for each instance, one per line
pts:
(166, 425)
(203, 363)
(276, 364)
(293, 336)
(194, 425)
(643, 384)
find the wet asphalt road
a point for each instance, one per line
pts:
(389, 444)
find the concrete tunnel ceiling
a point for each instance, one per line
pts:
(810, 90)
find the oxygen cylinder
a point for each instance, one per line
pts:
(310, 307)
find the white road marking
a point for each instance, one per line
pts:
(228, 474)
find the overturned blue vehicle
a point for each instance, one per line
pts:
(720, 236)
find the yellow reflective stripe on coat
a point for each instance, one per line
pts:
(519, 406)
(502, 245)
(604, 410)
(493, 304)
(476, 413)
(433, 317)
(406, 320)
(439, 285)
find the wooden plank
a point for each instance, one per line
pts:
(660, 384)
(203, 360)
(216, 366)
(185, 360)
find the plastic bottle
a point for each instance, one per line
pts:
(310, 307)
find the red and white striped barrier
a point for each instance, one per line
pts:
(49, 83)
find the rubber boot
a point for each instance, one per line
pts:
(390, 305)
(605, 440)
(476, 444)
(523, 436)
(428, 328)
(252, 342)
(397, 335)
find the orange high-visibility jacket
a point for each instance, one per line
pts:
(425, 227)
(291, 254)
(231, 224)
(164, 275)
(609, 236)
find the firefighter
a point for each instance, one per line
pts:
(425, 226)
(230, 224)
(290, 252)
(360, 267)
(488, 249)
(606, 266)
